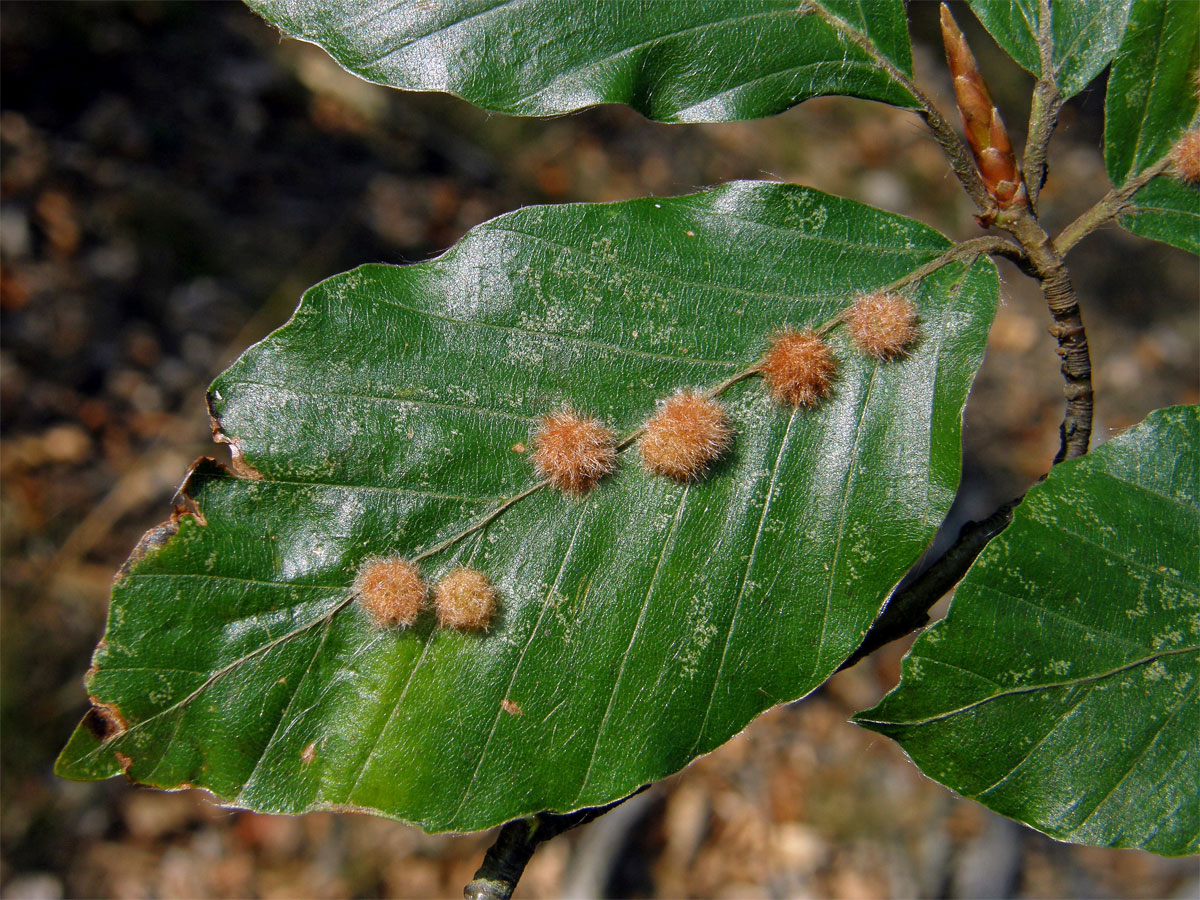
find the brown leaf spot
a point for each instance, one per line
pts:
(240, 466)
(511, 707)
(152, 540)
(309, 753)
(104, 720)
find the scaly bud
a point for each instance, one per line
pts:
(981, 120)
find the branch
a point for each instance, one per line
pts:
(908, 608)
(1107, 208)
(960, 159)
(506, 859)
(1043, 111)
(1075, 433)
(1047, 266)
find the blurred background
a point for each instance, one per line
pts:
(173, 175)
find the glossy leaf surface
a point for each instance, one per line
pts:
(678, 61)
(1062, 687)
(1151, 102)
(640, 626)
(1083, 36)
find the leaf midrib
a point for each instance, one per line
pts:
(1033, 688)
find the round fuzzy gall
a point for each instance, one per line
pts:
(1185, 157)
(882, 325)
(464, 599)
(391, 592)
(573, 452)
(799, 368)
(685, 435)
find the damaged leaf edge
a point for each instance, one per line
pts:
(104, 721)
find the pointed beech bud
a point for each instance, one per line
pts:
(981, 120)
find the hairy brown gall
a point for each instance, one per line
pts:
(799, 368)
(687, 434)
(882, 325)
(464, 599)
(391, 592)
(573, 452)
(1185, 157)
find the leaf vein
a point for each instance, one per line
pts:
(283, 714)
(520, 659)
(566, 338)
(1187, 695)
(1043, 686)
(668, 541)
(675, 280)
(851, 470)
(745, 580)
(385, 721)
(389, 52)
(1063, 617)
(1084, 694)
(453, 407)
(564, 77)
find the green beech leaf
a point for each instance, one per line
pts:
(678, 61)
(640, 626)
(1084, 36)
(1151, 102)
(1061, 689)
